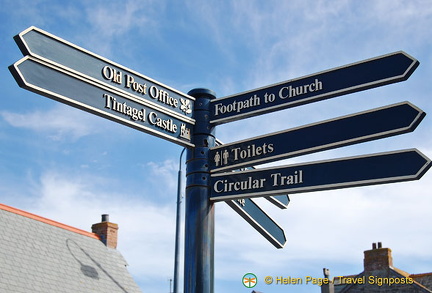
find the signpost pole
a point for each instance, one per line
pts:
(177, 237)
(199, 218)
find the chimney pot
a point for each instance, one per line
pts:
(377, 259)
(326, 273)
(107, 231)
(374, 245)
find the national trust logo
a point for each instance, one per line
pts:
(249, 280)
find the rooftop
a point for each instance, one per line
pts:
(37, 253)
(379, 275)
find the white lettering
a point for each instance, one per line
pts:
(167, 124)
(154, 92)
(133, 113)
(248, 184)
(237, 106)
(163, 97)
(252, 151)
(279, 179)
(290, 91)
(135, 86)
(112, 74)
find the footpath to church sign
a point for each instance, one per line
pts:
(327, 84)
(67, 73)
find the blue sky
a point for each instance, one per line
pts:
(71, 166)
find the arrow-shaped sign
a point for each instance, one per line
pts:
(258, 219)
(372, 169)
(281, 201)
(360, 127)
(327, 84)
(52, 49)
(63, 86)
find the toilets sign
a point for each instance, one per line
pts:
(355, 128)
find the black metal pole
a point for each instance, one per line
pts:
(199, 217)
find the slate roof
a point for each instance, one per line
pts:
(38, 255)
(424, 279)
(378, 264)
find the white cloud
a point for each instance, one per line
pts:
(111, 21)
(59, 123)
(115, 18)
(162, 174)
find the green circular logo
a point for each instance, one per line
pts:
(249, 280)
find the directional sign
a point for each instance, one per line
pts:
(61, 85)
(331, 83)
(281, 201)
(258, 219)
(52, 49)
(365, 126)
(372, 169)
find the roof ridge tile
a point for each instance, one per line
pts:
(47, 221)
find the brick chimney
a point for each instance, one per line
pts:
(378, 258)
(107, 231)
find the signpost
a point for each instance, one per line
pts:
(61, 85)
(280, 201)
(335, 82)
(52, 49)
(72, 75)
(258, 219)
(365, 126)
(364, 170)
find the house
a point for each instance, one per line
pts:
(39, 255)
(379, 275)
